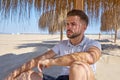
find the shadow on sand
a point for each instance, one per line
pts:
(11, 61)
(109, 47)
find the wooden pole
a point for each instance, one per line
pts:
(61, 33)
(99, 36)
(115, 28)
(115, 34)
(79, 4)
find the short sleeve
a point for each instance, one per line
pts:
(56, 49)
(60, 48)
(93, 43)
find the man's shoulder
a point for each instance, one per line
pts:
(92, 42)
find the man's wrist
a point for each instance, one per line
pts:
(51, 62)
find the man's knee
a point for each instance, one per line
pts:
(36, 76)
(29, 75)
(75, 66)
(83, 68)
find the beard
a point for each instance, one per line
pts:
(72, 35)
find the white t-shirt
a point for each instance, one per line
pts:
(65, 47)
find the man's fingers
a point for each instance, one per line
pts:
(43, 64)
(40, 66)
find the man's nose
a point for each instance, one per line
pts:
(68, 26)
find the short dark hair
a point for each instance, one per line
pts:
(80, 13)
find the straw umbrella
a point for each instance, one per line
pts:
(110, 18)
(53, 22)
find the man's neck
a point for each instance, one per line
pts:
(76, 40)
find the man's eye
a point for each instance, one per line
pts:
(70, 24)
(73, 24)
(67, 24)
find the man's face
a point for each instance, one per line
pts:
(74, 27)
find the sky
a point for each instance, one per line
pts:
(16, 27)
(31, 26)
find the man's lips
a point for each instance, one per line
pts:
(69, 31)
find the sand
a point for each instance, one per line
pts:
(18, 49)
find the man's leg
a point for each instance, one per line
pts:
(81, 71)
(29, 75)
(36, 76)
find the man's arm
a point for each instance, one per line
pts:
(31, 64)
(90, 57)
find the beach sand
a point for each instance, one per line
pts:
(18, 49)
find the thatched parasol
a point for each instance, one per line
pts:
(110, 19)
(52, 21)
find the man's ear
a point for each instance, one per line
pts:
(84, 25)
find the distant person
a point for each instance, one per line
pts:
(78, 54)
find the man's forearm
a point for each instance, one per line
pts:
(89, 57)
(25, 67)
(66, 60)
(31, 64)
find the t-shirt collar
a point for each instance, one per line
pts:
(80, 44)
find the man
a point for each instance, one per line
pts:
(78, 54)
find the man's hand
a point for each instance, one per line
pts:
(44, 64)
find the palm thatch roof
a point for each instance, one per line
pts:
(110, 20)
(111, 16)
(52, 21)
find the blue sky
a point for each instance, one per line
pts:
(31, 26)
(27, 26)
